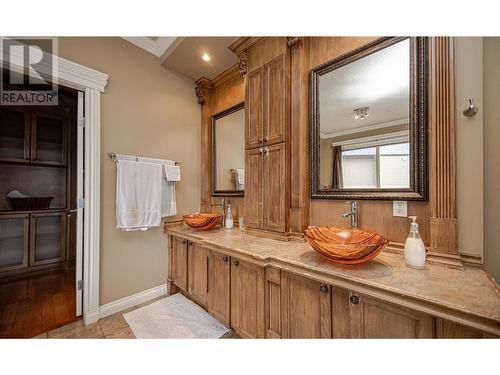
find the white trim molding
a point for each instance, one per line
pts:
(156, 46)
(131, 301)
(92, 82)
(380, 125)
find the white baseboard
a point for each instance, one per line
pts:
(91, 317)
(131, 301)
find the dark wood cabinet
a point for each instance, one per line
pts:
(306, 308)
(47, 238)
(14, 242)
(49, 133)
(14, 135)
(198, 261)
(219, 287)
(247, 299)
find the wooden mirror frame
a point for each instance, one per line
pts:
(417, 125)
(215, 192)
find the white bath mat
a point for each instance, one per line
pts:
(174, 317)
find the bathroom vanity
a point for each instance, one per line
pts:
(265, 288)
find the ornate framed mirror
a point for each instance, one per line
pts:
(228, 152)
(369, 122)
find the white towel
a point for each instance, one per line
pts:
(138, 195)
(240, 173)
(168, 202)
(172, 172)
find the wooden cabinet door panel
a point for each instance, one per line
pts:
(179, 263)
(446, 329)
(372, 318)
(254, 108)
(306, 307)
(247, 299)
(274, 188)
(198, 273)
(253, 188)
(275, 99)
(219, 286)
(273, 305)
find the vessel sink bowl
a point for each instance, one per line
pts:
(345, 245)
(202, 221)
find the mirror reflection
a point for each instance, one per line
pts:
(364, 122)
(229, 151)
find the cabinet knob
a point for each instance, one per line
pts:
(265, 139)
(260, 151)
(261, 141)
(236, 263)
(184, 242)
(225, 259)
(323, 288)
(354, 299)
(266, 150)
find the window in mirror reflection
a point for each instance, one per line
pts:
(229, 139)
(364, 122)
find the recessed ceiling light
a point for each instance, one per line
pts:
(205, 57)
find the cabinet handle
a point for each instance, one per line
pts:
(354, 299)
(225, 259)
(236, 263)
(323, 288)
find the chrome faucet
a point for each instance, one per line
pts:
(222, 205)
(353, 214)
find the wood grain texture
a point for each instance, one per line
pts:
(219, 287)
(306, 310)
(179, 263)
(254, 110)
(198, 273)
(247, 299)
(254, 188)
(274, 188)
(273, 303)
(443, 158)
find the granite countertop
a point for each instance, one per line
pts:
(468, 291)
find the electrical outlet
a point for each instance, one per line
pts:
(400, 208)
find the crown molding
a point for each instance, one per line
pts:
(156, 47)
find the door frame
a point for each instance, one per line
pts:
(92, 83)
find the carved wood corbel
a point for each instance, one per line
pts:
(203, 89)
(243, 63)
(293, 41)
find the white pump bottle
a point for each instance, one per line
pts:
(414, 250)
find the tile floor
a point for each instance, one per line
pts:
(111, 327)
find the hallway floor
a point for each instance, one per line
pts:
(36, 304)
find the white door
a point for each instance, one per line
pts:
(80, 205)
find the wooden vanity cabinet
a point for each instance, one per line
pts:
(306, 308)
(198, 273)
(359, 316)
(178, 262)
(219, 286)
(265, 194)
(247, 299)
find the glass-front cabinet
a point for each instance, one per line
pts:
(14, 243)
(47, 238)
(33, 137)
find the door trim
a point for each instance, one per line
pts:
(92, 82)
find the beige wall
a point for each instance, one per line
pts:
(492, 155)
(148, 111)
(469, 84)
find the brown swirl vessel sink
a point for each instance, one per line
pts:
(345, 245)
(202, 221)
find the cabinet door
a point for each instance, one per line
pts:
(14, 135)
(198, 273)
(219, 287)
(275, 100)
(372, 318)
(254, 109)
(179, 263)
(14, 234)
(247, 299)
(446, 329)
(47, 238)
(253, 188)
(274, 188)
(306, 311)
(49, 138)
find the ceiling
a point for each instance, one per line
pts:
(183, 54)
(379, 81)
(186, 57)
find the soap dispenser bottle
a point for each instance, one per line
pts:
(414, 251)
(229, 218)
